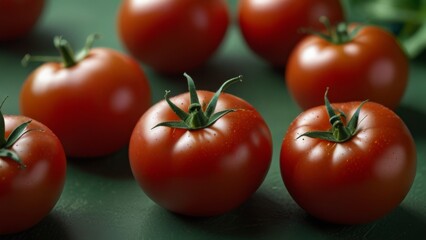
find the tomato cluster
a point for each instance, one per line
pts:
(204, 153)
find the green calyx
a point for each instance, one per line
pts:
(196, 118)
(338, 34)
(67, 58)
(7, 143)
(339, 132)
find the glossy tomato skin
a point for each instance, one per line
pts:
(17, 18)
(371, 66)
(357, 181)
(92, 106)
(28, 194)
(202, 172)
(172, 36)
(271, 28)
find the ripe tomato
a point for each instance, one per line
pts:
(271, 28)
(92, 105)
(32, 172)
(354, 180)
(200, 169)
(17, 18)
(172, 36)
(367, 63)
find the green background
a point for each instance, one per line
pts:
(101, 200)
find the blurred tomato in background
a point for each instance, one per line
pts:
(18, 17)
(271, 28)
(172, 36)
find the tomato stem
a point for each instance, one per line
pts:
(68, 58)
(15, 135)
(65, 50)
(338, 34)
(196, 118)
(339, 132)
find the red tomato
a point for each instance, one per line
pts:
(368, 65)
(17, 18)
(205, 171)
(271, 28)
(358, 180)
(172, 36)
(31, 184)
(91, 106)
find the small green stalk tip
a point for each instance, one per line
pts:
(338, 34)
(196, 118)
(339, 132)
(67, 56)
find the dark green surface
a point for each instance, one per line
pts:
(101, 200)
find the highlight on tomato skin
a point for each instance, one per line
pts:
(200, 161)
(172, 36)
(32, 172)
(355, 181)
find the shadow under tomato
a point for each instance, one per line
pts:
(51, 227)
(414, 119)
(116, 165)
(259, 217)
(399, 224)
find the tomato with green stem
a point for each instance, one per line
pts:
(91, 100)
(348, 163)
(203, 162)
(368, 60)
(32, 172)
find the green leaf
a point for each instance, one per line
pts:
(16, 134)
(218, 115)
(174, 124)
(330, 111)
(179, 112)
(213, 102)
(339, 132)
(87, 46)
(325, 135)
(2, 126)
(192, 91)
(196, 118)
(353, 123)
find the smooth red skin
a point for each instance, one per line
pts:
(172, 36)
(202, 172)
(357, 181)
(17, 18)
(28, 195)
(271, 28)
(372, 66)
(93, 106)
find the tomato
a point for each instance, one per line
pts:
(32, 172)
(17, 18)
(271, 28)
(359, 178)
(200, 169)
(172, 36)
(92, 105)
(365, 62)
